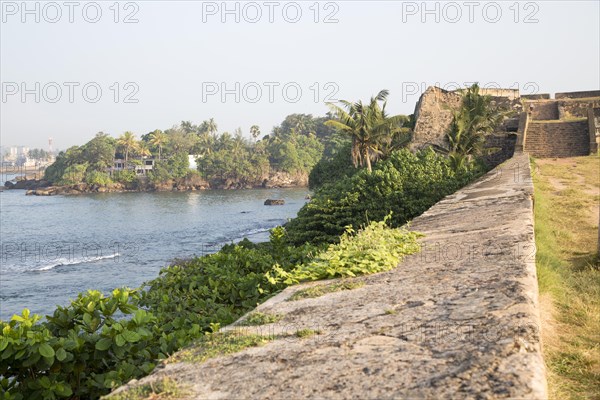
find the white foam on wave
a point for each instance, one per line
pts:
(65, 261)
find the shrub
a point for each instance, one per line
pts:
(126, 176)
(82, 351)
(405, 184)
(375, 248)
(73, 174)
(97, 178)
(332, 168)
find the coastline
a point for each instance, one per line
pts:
(277, 180)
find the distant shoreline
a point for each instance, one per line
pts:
(83, 189)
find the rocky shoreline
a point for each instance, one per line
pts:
(35, 187)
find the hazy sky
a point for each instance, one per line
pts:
(178, 57)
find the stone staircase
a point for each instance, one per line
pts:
(557, 138)
(547, 135)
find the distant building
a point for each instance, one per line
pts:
(192, 161)
(119, 165)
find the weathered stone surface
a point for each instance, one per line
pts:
(433, 114)
(458, 320)
(558, 139)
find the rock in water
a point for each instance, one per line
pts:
(274, 202)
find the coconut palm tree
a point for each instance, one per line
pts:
(211, 126)
(127, 141)
(368, 125)
(142, 149)
(255, 131)
(158, 138)
(471, 123)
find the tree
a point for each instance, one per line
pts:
(211, 126)
(368, 125)
(158, 139)
(142, 149)
(180, 142)
(255, 131)
(188, 127)
(476, 118)
(127, 142)
(99, 152)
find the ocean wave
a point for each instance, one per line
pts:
(255, 231)
(75, 261)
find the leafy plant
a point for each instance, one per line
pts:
(81, 351)
(375, 248)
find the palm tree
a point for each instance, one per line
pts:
(188, 127)
(471, 123)
(225, 141)
(368, 125)
(158, 138)
(254, 131)
(128, 142)
(238, 144)
(142, 149)
(211, 126)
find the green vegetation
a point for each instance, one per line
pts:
(471, 123)
(294, 147)
(259, 318)
(166, 389)
(350, 228)
(84, 350)
(219, 344)
(376, 248)
(320, 290)
(306, 333)
(405, 184)
(568, 268)
(370, 128)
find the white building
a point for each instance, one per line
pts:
(147, 165)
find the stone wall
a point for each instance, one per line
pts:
(542, 110)
(557, 139)
(577, 95)
(539, 96)
(511, 94)
(574, 108)
(433, 115)
(502, 146)
(459, 320)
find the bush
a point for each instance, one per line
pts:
(82, 351)
(126, 176)
(405, 184)
(73, 174)
(332, 168)
(97, 178)
(376, 248)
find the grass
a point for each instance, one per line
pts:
(164, 389)
(320, 290)
(259, 318)
(305, 333)
(219, 344)
(566, 232)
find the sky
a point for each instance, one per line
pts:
(70, 70)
